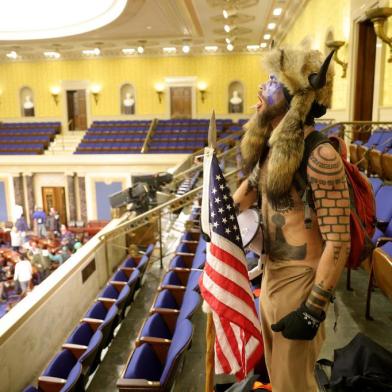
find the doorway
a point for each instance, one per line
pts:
(76, 110)
(55, 197)
(364, 82)
(181, 102)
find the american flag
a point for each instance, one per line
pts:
(224, 283)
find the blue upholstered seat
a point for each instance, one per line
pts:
(65, 366)
(137, 375)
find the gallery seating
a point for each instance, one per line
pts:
(26, 138)
(163, 357)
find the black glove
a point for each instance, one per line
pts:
(302, 324)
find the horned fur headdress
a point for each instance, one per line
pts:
(308, 81)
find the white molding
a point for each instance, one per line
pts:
(180, 81)
(34, 119)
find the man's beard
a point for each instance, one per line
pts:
(254, 144)
(270, 113)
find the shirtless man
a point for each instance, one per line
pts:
(303, 261)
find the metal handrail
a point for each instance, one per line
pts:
(153, 214)
(179, 176)
(150, 132)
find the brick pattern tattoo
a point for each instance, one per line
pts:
(331, 196)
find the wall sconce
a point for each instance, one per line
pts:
(159, 88)
(202, 87)
(336, 45)
(96, 90)
(379, 16)
(55, 91)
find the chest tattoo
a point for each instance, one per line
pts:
(279, 248)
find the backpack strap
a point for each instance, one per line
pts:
(313, 140)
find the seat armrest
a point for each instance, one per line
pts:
(128, 384)
(159, 345)
(76, 349)
(118, 284)
(382, 240)
(92, 322)
(170, 316)
(50, 384)
(177, 291)
(127, 270)
(183, 274)
(107, 302)
(185, 254)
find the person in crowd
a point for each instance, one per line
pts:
(3, 279)
(66, 236)
(53, 223)
(39, 218)
(41, 264)
(306, 244)
(16, 239)
(23, 274)
(61, 256)
(22, 226)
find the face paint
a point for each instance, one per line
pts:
(272, 91)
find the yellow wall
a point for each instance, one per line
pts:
(387, 90)
(143, 72)
(314, 22)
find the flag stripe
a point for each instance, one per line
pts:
(223, 280)
(230, 313)
(245, 313)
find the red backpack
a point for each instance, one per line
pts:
(362, 202)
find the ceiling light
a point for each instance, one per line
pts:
(52, 55)
(169, 50)
(211, 48)
(128, 51)
(277, 12)
(140, 49)
(271, 26)
(228, 40)
(263, 45)
(253, 48)
(230, 47)
(186, 48)
(12, 55)
(92, 52)
(267, 36)
(225, 14)
(227, 28)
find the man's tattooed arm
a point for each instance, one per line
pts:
(332, 202)
(246, 195)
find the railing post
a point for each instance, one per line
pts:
(160, 240)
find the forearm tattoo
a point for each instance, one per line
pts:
(331, 196)
(319, 297)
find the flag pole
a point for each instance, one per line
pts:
(210, 328)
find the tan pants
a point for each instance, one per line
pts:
(290, 363)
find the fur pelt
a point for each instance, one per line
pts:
(292, 68)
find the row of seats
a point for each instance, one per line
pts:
(81, 353)
(114, 137)
(31, 125)
(188, 184)
(375, 155)
(26, 138)
(167, 333)
(380, 264)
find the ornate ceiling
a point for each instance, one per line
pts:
(156, 24)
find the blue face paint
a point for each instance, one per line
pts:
(272, 91)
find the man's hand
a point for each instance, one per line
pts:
(302, 324)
